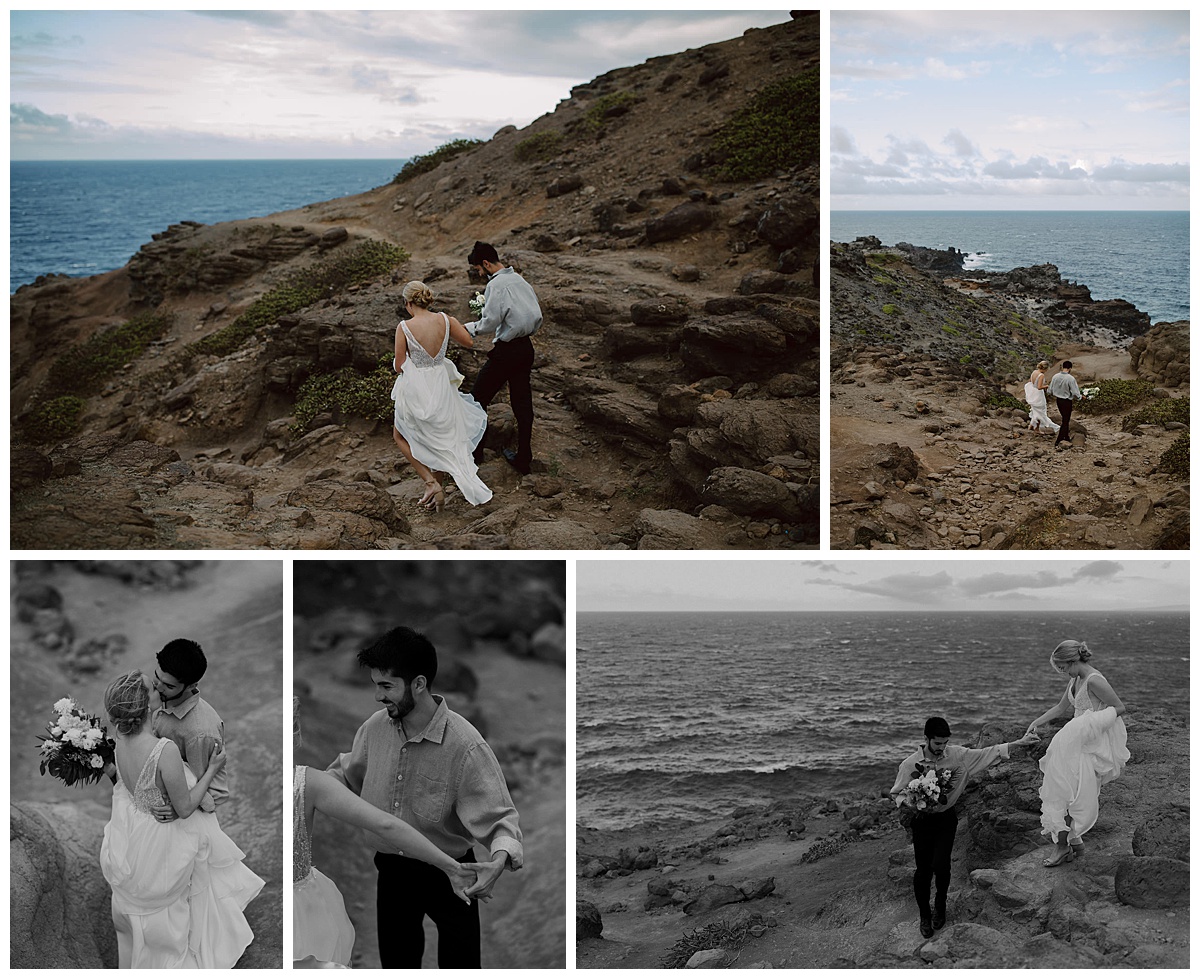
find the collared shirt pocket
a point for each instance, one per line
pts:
(429, 797)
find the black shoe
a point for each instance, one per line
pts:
(939, 917)
(520, 465)
(926, 926)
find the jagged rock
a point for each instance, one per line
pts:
(332, 238)
(564, 185)
(790, 222)
(763, 280)
(654, 312)
(966, 943)
(1152, 882)
(28, 468)
(588, 923)
(668, 530)
(684, 219)
(711, 958)
(1163, 354)
(555, 535)
(361, 499)
(752, 890)
(713, 896)
(750, 493)
(678, 403)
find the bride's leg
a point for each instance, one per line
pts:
(432, 486)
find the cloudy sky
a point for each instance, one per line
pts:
(314, 84)
(1011, 110)
(853, 585)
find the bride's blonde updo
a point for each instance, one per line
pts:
(127, 701)
(1068, 651)
(417, 293)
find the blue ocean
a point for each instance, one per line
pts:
(83, 218)
(1140, 256)
(686, 716)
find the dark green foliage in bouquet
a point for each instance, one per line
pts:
(432, 160)
(1177, 460)
(779, 129)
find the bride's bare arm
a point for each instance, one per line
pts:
(1060, 708)
(459, 334)
(183, 800)
(1101, 688)
(327, 795)
(401, 350)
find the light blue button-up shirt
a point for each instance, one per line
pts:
(510, 310)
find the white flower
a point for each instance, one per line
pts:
(91, 737)
(64, 706)
(48, 746)
(75, 737)
(56, 731)
(97, 761)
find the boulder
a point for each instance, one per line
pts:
(790, 222)
(750, 493)
(713, 896)
(1153, 882)
(588, 923)
(711, 958)
(28, 468)
(685, 219)
(1165, 834)
(668, 530)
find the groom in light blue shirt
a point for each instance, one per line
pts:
(1066, 392)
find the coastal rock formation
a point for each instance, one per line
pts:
(654, 272)
(932, 369)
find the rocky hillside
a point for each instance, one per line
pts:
(500, 664)
(929, 443)
(827, 883)
(76, 625)
(164, 405)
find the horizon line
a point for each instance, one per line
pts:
(1179, 609)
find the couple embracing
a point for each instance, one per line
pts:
(1087, 752)
(426, 788)
(437, 426)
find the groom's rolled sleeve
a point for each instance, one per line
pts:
(485, 808)
(970, 763)
(350, 767)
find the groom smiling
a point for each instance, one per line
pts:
(425, 764)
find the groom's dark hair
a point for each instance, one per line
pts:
(403, 652)
(936, 727)
(483, 252)
(184, 660)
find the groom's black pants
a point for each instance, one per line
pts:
(1064, 408)
(510, 363)
(408, 891)
(933, 840)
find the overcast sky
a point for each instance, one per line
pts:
(850, 585)
(315, 84)
(1011, 110)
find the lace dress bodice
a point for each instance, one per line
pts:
(418, 356)
(146, 794)
(1083, 700)
(301, 842)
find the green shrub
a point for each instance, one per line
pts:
(605, 108)
(431, 161)
(539, 146)
(82, 368)
(1159, 412)
(1177, 460)
(947, 328)
(363, 395)
(367, 261)
(1116, 394)
(1002, 399)
(54, 419)
(779, 129)
(890, 309)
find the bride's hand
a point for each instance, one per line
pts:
(462, 878)
(1031, 737)
(216, 761)
(1032, 729)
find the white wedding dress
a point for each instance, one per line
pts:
(442, 425)
(322, 932)
(178, 888)
(1088, 752)
(1036, 399)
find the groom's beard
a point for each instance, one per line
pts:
(398, 712)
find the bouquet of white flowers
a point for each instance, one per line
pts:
(78, 747)
(476, 304)
(928, 787)
(1089, 393)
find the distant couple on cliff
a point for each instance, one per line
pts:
(1086, 753)
(1065, 390)
(438, 427)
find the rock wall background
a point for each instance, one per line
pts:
(498, 627)
(74, 625)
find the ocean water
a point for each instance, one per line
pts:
(686, 716)
(83, 218)
(1140, 256)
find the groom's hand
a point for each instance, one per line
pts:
(164, 813)
(488, 872)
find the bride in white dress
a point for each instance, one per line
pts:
(178, 888)
(322, 933)
(1087, 752)
(436, 426)
(1035, 397)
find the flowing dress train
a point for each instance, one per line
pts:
(1036, 399)
(178, 888)
(1088, 751)
(441, 424)
(322, 932)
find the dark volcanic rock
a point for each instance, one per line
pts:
(683, 220)
(588, 923)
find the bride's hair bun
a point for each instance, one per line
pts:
(1070, 650)
(417, 293)
(1084, 653)
(127, 701)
